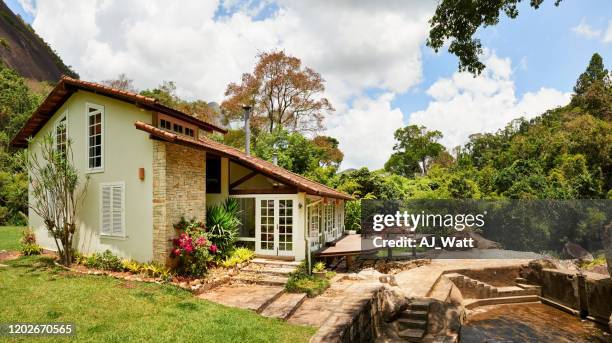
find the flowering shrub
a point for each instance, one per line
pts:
(28, 244)
(193, 248)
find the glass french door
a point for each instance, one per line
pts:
(275, 226)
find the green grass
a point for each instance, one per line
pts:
(110, 310)
(9, 237)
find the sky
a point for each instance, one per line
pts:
(379, 74)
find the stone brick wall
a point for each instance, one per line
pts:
(179, 189)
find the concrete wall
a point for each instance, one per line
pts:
(564, 287)
(125, 151)
(179, 189)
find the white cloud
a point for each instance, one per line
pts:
(366, 131)
(607, 37)
(585, 30)
(463, 104)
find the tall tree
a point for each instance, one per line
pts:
(414, 147)
(458, 20)
(595, 72)
(282, 92)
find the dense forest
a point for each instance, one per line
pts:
(565, 153)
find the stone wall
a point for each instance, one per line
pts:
(179, 189)
(593, 295)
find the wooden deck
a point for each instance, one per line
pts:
(348, 246)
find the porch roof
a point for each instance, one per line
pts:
(67, 86)
(269, 169)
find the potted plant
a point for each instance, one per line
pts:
(318, 270)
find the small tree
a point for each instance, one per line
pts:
(57, 190)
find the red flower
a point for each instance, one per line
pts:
(213, 248)
(176, 252)
(201, 240)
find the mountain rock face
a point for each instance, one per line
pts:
(24, 51)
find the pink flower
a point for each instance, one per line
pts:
(201, 240)
(213, 248)
(176, 252)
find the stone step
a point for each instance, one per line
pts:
(412, 335)
(470, 304)
(419, 305)
(275, 263)
(284, 306)
(260, 279)
(413, 314)
(521, 280)
(281, 271)
(406, 323)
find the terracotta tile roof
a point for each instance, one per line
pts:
(67, 86)
(252, 162)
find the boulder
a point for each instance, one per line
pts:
(575, 251)
(532, 272)
(444, 318)
(391, 301)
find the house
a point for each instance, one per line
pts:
(149, 165)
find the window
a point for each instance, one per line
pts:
(95, 137)
(189, 132)
(314, 224)
(164, 124)
(246, 213)
(112, 209)
(61, 136)
(178, 128)
(213, 175)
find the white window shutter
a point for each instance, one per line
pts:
(105, 214)
(118, 210)
(112, 211)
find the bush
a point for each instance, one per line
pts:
(156, 270)
(300, 282)
(239, 255)
(28, 243)
(318, 267)
(303, 283)
(222, 224)
(131, 266)
(193, 248)
(106, 260)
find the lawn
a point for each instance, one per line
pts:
(110, 310)
(9, 237)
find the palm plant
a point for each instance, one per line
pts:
(222, 223)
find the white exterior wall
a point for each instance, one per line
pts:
(126, 149)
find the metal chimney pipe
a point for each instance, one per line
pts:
(275, 158)
(247, 129)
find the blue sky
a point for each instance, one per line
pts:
(380, 75)
(543, 38)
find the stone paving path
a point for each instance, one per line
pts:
(260, 287)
